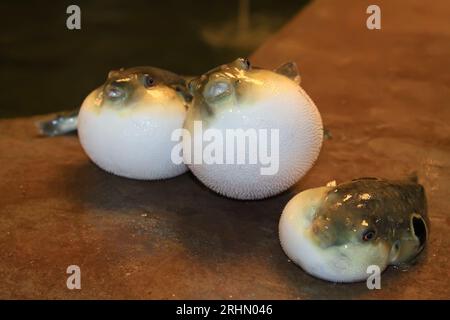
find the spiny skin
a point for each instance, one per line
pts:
(238, 96)
(125, 125)
(355, 224)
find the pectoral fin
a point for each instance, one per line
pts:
(289, 70)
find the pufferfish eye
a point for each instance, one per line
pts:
(246, 63)
(148, 81)
(368, 235)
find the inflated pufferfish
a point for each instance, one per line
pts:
(336, 232)
(125, 125)
(237, 96)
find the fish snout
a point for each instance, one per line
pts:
(217, 89)
(115, 90)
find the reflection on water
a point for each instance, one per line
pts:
(47, 68)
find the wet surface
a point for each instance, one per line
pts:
(384, 96)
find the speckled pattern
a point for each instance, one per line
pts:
(385, 97)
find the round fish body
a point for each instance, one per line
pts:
(337, 232)
(279, 127)
(125, 126)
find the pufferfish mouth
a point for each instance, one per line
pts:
(337, 263)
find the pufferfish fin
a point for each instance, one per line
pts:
(290, 70)
(332, 183)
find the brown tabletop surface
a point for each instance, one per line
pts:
(383, 94)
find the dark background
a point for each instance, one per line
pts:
(45, 67)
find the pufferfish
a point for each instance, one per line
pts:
(253, 101)
(337, 232)
(125, 125)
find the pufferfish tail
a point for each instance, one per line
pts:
(63, 123)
